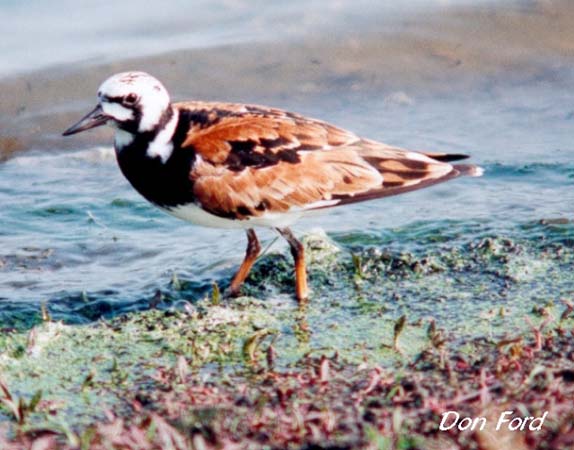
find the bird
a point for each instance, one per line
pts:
(232, 165)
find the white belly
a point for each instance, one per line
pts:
(194, 214)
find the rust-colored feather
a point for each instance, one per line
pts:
(254, 160)
(269, 130)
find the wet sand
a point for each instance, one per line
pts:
(450, 51)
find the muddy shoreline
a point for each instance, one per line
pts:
(440, 54)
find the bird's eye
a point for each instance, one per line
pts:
(130, 99)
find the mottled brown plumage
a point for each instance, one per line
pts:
(256, 160)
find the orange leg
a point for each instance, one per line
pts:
(298, 252)
(251, 254)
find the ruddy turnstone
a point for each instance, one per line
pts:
(245, 166)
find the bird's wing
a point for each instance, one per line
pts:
(252, 160)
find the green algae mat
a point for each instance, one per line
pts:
(390, 341)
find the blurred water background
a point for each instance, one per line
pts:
(492, 79)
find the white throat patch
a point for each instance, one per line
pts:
(162, 146)
(122, 139)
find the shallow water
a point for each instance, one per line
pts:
(76, 236)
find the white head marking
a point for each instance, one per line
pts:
(117, 111)
(162, 146)
(126, 94)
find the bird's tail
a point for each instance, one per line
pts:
(446, 157)
(469, 170)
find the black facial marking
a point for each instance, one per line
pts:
(166, 183)
(132, 125)
(127, 101)
(113, 98)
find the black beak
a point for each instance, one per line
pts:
(94, 119)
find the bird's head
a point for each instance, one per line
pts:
(134, 102)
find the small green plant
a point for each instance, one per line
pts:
(19, 407)
(398, 329)
(215, 295)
